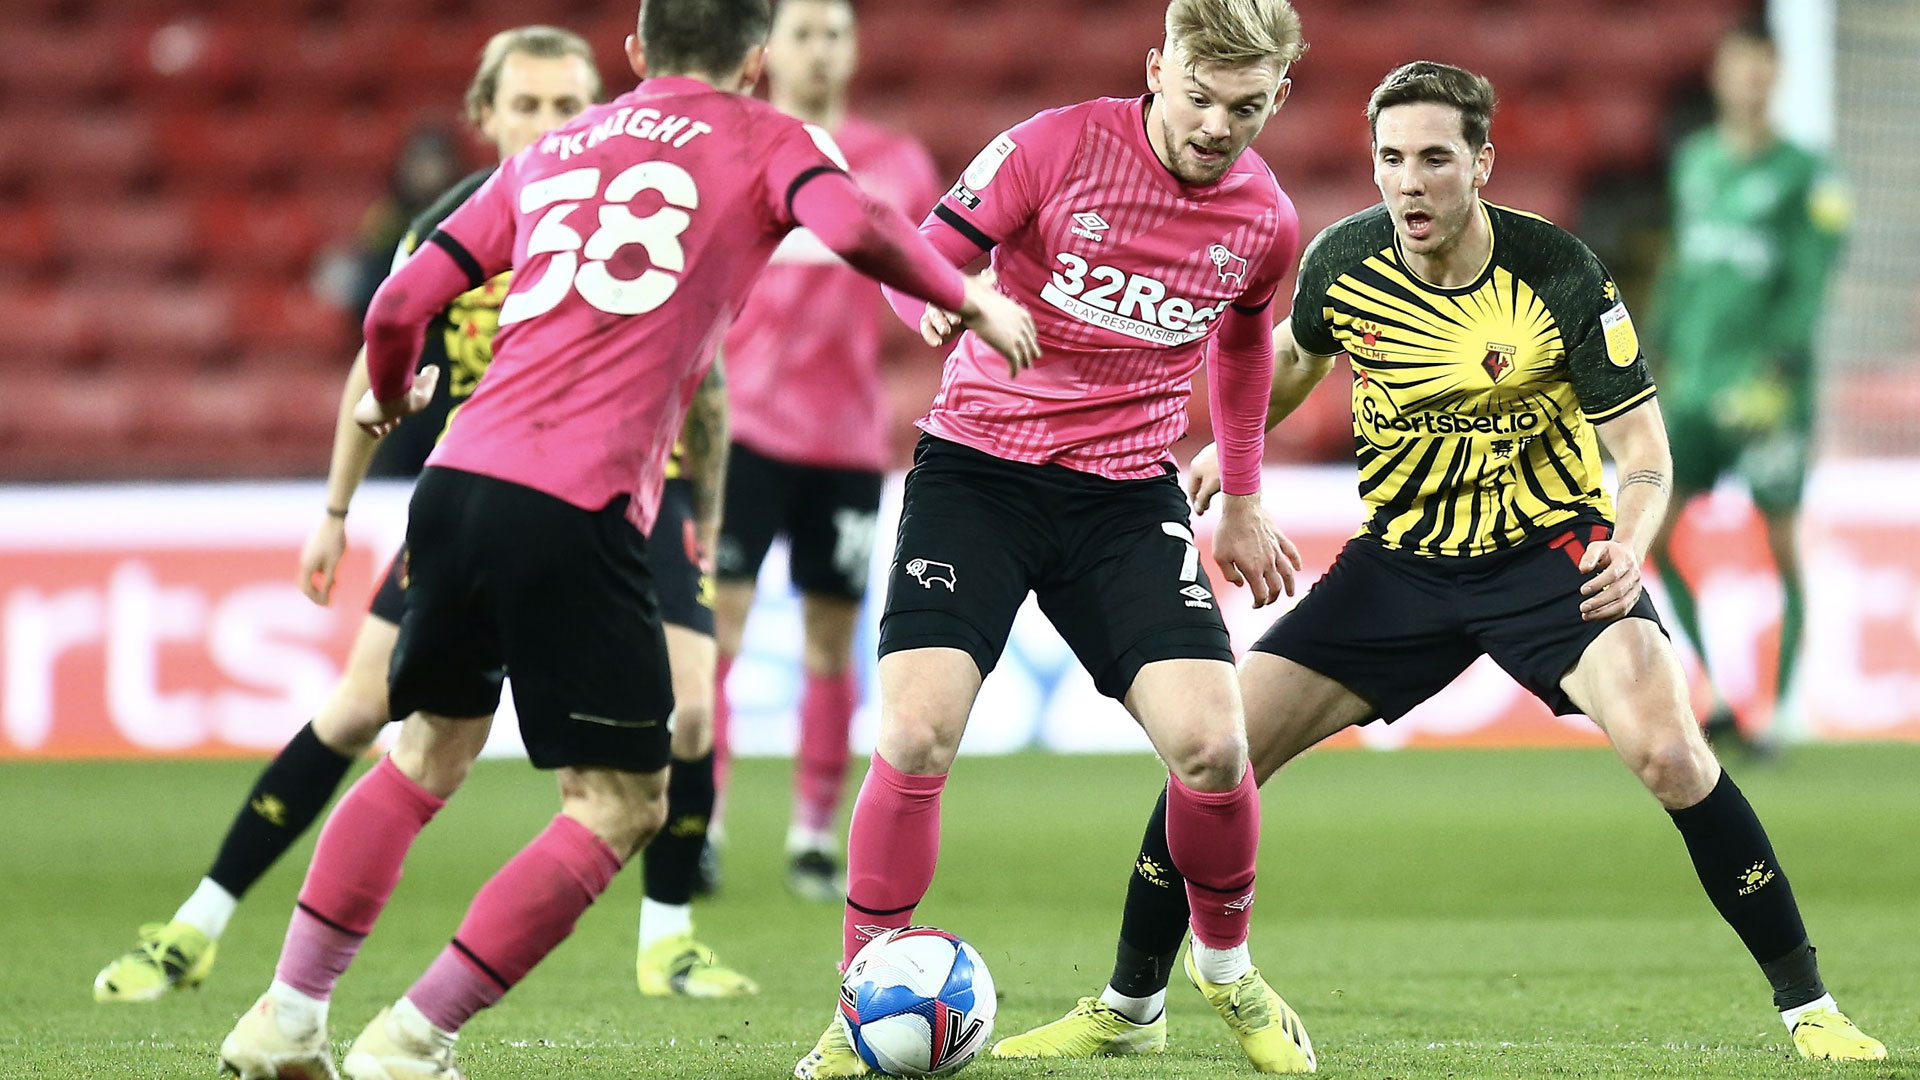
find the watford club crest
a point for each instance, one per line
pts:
(1499, 361)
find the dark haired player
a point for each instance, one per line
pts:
(1492, 358)
(633, 232)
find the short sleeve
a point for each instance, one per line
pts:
(482, 228)
(1311, 331)
(1604, 362)
(1007, 182)
(799, 152)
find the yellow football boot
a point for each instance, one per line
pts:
(1092, 1029)
(680, 966)
(170, 956)
(1826, 1035)
(832, 1056)
(1269, 1031)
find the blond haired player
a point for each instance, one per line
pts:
(1492, 360)
(530, 80)
(1143, 236)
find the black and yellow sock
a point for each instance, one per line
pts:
(672, 861)
(1156, 914)
(290, 793)
(1737, 867)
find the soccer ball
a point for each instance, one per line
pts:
(917, 1002)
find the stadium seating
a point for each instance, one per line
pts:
(170, 169)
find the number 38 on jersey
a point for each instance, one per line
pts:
(580, 264)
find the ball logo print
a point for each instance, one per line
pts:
(917, 1002)
(928, 573)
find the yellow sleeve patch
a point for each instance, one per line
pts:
(1830, 206)
(1623, 342)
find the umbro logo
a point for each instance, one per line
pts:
(1090, 226)
(1198, 596)
(869, 931)
(1241, 904)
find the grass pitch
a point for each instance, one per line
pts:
(1439, 914)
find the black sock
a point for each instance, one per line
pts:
(290, 793)
(672, 861)
(1155, 920)
(1746, 884)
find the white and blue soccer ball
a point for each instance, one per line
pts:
(917, 1002)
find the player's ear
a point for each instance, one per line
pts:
(1280, 93)
(637, 55)
(1483, 166)
(1154, 60)
(751, 69)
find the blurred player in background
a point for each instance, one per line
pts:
(1492, 359)
(1143, 234)
(530, 80)
(634, 232)
(810, 430)
(1757, 224)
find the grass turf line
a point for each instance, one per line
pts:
(1452, 913)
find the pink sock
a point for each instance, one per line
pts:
(893, 843)
(1214, 837)
(722, 745)
(517, 918)
(355, 868)
(820, 769)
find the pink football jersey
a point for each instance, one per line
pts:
(633, 232)
(1126, 270)
(803, 358)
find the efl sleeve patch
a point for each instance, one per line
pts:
(1623, 342)
(986, 165)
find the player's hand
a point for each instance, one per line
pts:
(320, 559)
(376, 418)
(1203, 478)
(1001, 323)
(939, 326)
(1252, 552)
(1615, 585)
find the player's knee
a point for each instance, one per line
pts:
(692, 727)
(830, 657)
(917, 745)
(1676, 767)
(625, 820)
(352, 717)
(1213, 761)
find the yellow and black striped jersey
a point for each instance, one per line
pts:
(1473, 407)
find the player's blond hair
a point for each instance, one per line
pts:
(546, 42)
(1234, 33)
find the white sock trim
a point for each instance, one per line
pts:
(802, 839)
(297, 1012)
(1219, 966)
(208, 909)
(1140, 1010)
(415, 1023)
(660, 921)
(1791, 1017)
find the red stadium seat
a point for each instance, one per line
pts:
(139, 239)
(254, 234)
(48, 329)
(169, 329)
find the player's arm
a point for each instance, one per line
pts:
(1296, 371)
(703, 459)
(874, 239)
(1810, 247)
(1248, 548)
(1637, 442)
(352, 456)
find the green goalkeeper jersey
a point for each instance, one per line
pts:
(1754, 240)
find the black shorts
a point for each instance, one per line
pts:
(673, 554)
(828, 516)
(506, 580)
(1112, 561)
(390, 599)
(1396, 628)
(684, 589)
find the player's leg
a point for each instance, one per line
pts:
(757, 493)
(572, 599)
(670, 960)
(969, 542)
(1700, 455)
(1630, 682)
(356, 865)
(1329, 663)
(1783, 542)
(1775, 468)
(832, 531)
(286, 798)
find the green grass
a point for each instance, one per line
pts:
(1441, 914)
